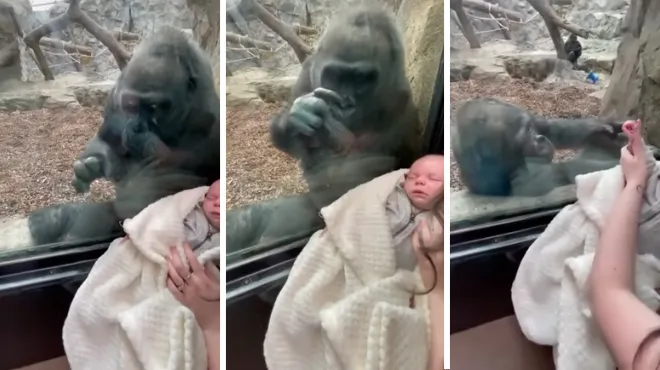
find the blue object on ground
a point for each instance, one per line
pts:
(592, 77)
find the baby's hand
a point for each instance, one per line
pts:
(633, 161)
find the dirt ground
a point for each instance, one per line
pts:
(549, 100)
(38, 149)
(256, 170)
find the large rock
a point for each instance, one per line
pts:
(424, 22)
(634, 90)
(275, 90)
(23, 11)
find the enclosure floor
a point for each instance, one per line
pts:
(549, 100)
(37, 151)
(256, 170)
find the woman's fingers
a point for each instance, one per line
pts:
(211, 271)
(178, 265)
(195, 266)
(174, 274)
(174, 290)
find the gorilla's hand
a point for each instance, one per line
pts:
(320, 110)
(97, 161)
(85, 171)
(611, 129)
(310, 112)
(144, 145)
(307, 115)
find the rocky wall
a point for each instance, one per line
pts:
(634, 90)
(423, 22)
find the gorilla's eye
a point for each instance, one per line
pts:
(370, 77)
(192, 84)
(166, 106)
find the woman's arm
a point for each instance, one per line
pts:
(212, 339)
(436, 308)
(623, 319)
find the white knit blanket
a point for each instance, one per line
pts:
(344, 305)
(123, 316)
(550, 290)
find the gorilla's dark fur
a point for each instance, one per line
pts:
(504, 150)
(351, 119)
(160, 135)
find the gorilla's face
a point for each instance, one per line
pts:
(159, 95)
(354, 82)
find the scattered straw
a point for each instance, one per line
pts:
(38, 149)
(256, 170)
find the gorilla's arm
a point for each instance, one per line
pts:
(579, 133)
(540, 178)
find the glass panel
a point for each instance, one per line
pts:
(524, 124)
(301, 134)
(91, 130)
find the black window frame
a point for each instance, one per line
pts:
(270, 269)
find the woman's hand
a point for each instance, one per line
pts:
(196, 287)
(633, 159)
(428, 241)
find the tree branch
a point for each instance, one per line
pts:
(124, 36)
(494, 9)
(545, 10)
(248, 42)
(74, 14)
(68, 46)
(287, 33)
(302, 30)
(466, 26)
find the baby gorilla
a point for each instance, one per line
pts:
(412, 200)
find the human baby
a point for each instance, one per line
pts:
(202, 224)
(420, 189)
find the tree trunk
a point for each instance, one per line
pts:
(634, 89)
(285, 31)
(206, 30)
(466, 26)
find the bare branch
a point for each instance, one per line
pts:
(124, 36)
(68, 46)
(248, 42)
(545, 10)
(494, 9)
(302, 30)
(287, 33)
(74, 14)
(466, 26)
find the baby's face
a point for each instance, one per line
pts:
(425, 181)
(211, 204)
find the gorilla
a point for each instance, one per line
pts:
(573, 49)
(503, 150)
(351, 119)
(160, 135)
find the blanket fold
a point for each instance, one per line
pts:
(549, 292)
(123, 316)
(345, 305)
